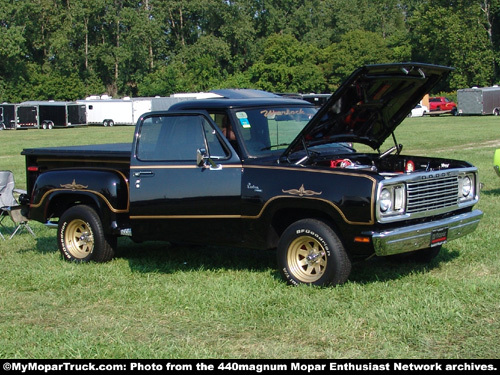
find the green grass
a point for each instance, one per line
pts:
(159, 301)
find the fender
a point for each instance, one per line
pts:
(282, 211)
(351, 194)
(56, 190)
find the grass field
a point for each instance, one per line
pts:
(158, 301)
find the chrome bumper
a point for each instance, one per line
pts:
(421, 236)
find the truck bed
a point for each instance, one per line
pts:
(108, 156)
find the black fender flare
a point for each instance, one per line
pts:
(57, 190)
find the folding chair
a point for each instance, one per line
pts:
(9, 205)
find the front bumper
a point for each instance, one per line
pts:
(422, 236)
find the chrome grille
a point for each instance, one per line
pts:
(427, 195)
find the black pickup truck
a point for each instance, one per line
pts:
(265, 172)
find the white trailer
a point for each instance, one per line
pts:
(103, 110)
(108, 112)
(140, 106)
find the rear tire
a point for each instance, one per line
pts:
(81, 236)
(310, 252)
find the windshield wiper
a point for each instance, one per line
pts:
(270, 147)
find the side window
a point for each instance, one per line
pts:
(176, 138)
(224, 124)
(170, 138)
(215, 147)
(148, 136)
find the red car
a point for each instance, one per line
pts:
(440, 103)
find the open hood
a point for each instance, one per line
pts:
(370, 104)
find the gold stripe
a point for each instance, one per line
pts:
(145, 217)
(248, 217)
(112, 209)
(190, 166)
(341, 213)
(297, 169)
(125, 179)
(372, 179)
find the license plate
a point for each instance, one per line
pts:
(439, 236)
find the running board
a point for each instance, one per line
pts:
(123, 231)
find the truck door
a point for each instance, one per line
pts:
(185, 180)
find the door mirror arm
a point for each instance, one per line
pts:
(203, 160)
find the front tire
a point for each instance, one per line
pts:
(310, 252)
(81, 236)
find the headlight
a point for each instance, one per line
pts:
(466, 187)
(385, 200)
(392, 200)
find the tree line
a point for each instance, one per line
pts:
(69, 49)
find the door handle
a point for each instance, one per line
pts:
(144, 174)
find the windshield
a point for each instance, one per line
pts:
(267, 130)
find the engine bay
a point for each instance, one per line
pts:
(389, 166)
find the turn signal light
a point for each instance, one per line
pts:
(362, 239)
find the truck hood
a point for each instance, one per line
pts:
(369, 105)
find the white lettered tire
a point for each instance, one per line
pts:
(81, 238)
(310, 252)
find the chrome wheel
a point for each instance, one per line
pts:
(307, 259)
(78, 239)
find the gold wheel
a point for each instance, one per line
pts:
(307, 259)
(78, 239)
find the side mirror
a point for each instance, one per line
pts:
(203, 160)
(201, 155)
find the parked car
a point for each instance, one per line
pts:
(440, 103)
(418, 111)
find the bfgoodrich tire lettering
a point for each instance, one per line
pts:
(81, 238)
(310, 252)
